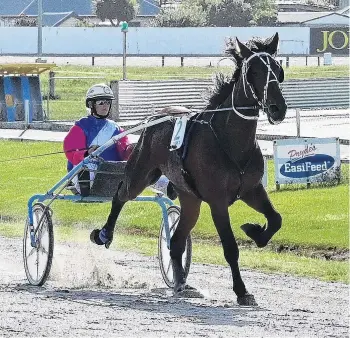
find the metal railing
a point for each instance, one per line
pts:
(139, 99)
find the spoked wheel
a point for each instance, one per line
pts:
(166, 267)
(38, 260)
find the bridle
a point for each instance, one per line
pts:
(246, 83)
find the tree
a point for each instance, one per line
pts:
(121, 10)
(230, 13)
(264, 12)
(184, 15)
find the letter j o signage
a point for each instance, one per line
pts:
(329, 40)
(306, 160)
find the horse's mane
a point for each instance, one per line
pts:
(222, 83)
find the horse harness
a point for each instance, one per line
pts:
(187, 176)
(198, 119)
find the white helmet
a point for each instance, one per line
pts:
(99, 91)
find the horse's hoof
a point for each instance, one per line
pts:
(94, 237)
(179, 288)
(247, 300)
(107, 244)
(186, 291)
(255, 232)
(99, 238)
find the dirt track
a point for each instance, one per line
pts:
(97, 292)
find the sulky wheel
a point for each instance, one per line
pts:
(38, 260)
(164, 253)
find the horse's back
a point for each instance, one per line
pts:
(174, 110)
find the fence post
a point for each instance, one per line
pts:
(287, 61)
(297, 116)
(318, 61)
(162, 61)
(306, 60)
(115, 114)
(52, 85)
(124, 55)
(27, 118)
(93, 61)
(182, 61)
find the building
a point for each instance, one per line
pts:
(64, 13)
(314, 19)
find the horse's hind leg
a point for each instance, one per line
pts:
(221, 219)
(136, 182)
(190, 208)
(259, 200)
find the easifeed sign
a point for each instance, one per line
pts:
(306, 160)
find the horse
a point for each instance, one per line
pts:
(220, 162)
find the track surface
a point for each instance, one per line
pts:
(97, 292)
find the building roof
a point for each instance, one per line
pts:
(55, 19)
(148, 7)
(316, 5)
(337, 18)
(306, 17)
(49, 19)
(293, 17)
(30, 7)
(344, 11)
(80, 7)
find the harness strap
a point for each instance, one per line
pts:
(186, 175)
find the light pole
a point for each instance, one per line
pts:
(40, 31)
(124, 28)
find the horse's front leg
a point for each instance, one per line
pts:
(105, 235)
(222, 223)
(258, 200)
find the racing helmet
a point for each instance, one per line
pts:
(98, 91)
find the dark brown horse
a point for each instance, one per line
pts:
(222, 161)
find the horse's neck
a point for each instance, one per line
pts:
(238, 133)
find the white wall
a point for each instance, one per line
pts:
(81, 41)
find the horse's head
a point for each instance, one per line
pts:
(261, 76)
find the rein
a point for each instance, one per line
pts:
(41, 155)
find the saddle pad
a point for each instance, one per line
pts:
(178, 133)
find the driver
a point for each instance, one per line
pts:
(92, 131)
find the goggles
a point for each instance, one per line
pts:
(103, 102)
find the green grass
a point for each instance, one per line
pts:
(316, 217)
(260, 259)
(72, 92)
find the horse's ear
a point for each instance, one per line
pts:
(243, 49)
(272, 46)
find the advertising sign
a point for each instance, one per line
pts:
(333, 40)
(306, 160)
